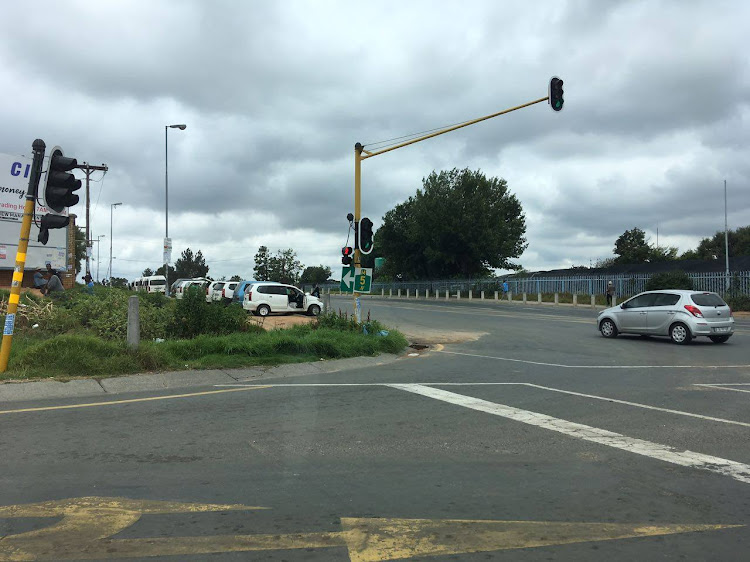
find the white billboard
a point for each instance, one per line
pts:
(14, 181)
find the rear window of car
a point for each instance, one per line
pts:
(707, 299)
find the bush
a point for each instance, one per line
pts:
(669, 280)
(194, 316)
(739, 302)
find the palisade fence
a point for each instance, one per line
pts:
(625, 284)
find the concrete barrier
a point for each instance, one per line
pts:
(575, 299)
(399, 293)
(495, 295)
(524, 298)
(593, 301)
(539, 298)
(481, 295)
(557, 299)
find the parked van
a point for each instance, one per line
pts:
(152, 284)
(262, 298)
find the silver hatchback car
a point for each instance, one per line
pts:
(681, 315)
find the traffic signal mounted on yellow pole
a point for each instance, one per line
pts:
(23, 244)
(359, 150)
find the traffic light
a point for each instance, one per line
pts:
(50, 221)
(59, 185)
(556, 93)
(365, 235)
(347, 252)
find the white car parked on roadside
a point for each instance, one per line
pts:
(227, 292)
(264, 297)
(213, 291)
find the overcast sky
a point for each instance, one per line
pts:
(276, 93)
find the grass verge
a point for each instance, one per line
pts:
(68, 356)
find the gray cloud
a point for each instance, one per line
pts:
(276, 94)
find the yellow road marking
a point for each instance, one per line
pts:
(88, 523)
(129, 401)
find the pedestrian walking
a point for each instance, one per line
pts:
(505, 286)
(610, 293)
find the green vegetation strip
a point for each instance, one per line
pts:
(74, 355)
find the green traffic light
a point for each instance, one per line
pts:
(557, 103)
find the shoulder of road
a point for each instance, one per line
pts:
(15, 391)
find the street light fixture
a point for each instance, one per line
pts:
(111, 208)
(181, 127)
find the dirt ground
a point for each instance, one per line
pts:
(279, 322)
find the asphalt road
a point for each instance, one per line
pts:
(530, 437)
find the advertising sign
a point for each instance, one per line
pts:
(14, 181)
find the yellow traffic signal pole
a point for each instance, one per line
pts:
(359, 149)
(23, 244)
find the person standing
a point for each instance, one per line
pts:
(316, 291)
(610, 293)
(505, 286)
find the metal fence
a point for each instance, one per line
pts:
(625, 284)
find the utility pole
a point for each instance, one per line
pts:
(726, 235)
(88, 169)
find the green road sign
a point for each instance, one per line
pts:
(362, 280)
(347, 279)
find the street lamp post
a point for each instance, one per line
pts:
(111, 208)
(98, 239)
(181, 127)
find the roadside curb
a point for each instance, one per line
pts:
(37, 390)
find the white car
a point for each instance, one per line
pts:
(680, 314)
(185, 285)
(228, 291)
(213, 291)
(262, 298)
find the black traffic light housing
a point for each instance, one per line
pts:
(556, 93)
(347, 253)
(365, 236)
(48, 222)
(59, 184)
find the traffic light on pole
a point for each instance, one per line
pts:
(347, 253)
(365, 235)
(50, 221)
(556, 93)
(59, 184)
(57, 192)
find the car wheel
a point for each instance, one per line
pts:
(263, 310)
(718, 339)
(314, 310)
(680, 334)
(608, 328)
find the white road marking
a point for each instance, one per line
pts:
(594, 366)
(639, 405)
(528, 384)
(723, 384)
(690, 459)
(724, 387)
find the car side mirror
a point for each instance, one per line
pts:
(623, 306)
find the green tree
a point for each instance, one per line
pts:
(632, 247)
(713, 248)
(80, 248)
(460, 223)
(315, 275)
(120, 282)
(148, 273)
(235, 278)
(261, 269)
(666, 253)
(172, 273)
(284, 267)
(190, 265)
